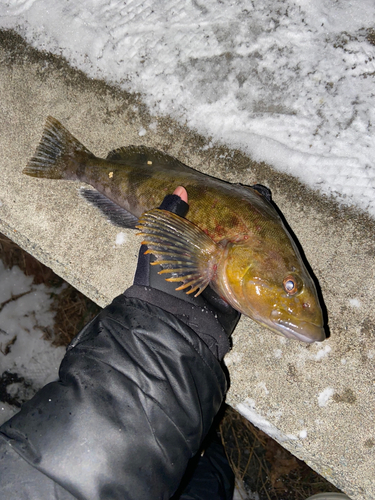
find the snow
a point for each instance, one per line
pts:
(325, 396)
(241, 493)
(25, 312)
(356, 303)
(263, 386)
(247, 409)
(233, 358)
(121, 238)
(322, 353)
(303, 434)
(288, 82)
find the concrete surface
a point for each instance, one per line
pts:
(277, 379)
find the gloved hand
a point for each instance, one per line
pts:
(211, 317)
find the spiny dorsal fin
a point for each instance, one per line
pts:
(143, 156)
(263, 190)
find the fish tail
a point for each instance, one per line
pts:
(57, 153)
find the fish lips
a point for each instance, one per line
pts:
(294, 328)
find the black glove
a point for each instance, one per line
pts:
(211, 317)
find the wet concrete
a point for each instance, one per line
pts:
(317, 400)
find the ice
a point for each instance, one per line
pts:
(289, 83)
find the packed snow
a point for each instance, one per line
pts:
(288, 82)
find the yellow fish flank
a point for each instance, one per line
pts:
(232, 239)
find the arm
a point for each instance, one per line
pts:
(137, 393)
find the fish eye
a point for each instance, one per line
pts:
(290, 285)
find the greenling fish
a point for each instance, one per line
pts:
(232, 238)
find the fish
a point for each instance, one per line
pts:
(232, 239)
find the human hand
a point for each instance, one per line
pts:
(211, 317)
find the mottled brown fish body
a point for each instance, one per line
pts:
(252, 262)
(221, 210)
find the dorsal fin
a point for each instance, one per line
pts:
(143, 156)
(263, 190)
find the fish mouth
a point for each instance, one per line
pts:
(296, 329)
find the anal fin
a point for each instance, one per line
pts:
(115, 214)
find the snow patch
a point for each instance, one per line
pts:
(303, 434)
(356, 303)
(325, 396)
(247, 409)
(277, 353)
(322, 353)
(262, 385)
(121, 238)
(289, 83)
(25, 313)
(233, 358)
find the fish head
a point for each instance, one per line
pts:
(272, 287)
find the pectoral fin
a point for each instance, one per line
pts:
(181, 248)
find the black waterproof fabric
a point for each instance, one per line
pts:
(138, 392)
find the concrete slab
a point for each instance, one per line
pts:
(317, 400)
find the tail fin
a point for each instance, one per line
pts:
(55, 152)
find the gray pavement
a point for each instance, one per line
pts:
(317, 400)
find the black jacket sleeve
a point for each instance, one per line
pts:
(137, 393)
